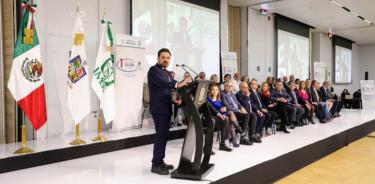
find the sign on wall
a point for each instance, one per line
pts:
(228, 63)
(368, 94)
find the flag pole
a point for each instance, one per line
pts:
(78, 140)
(99, 137)
(24, 149)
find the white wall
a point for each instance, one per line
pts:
(322, 52)
(224, 42)
(261, 48)
(367, 61)
(55, 23)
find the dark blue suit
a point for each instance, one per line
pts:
(269, 116)
(251, 108)
(160, 86)
(323, 94)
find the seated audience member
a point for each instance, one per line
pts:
(294, 102)
(227, 78)
(285, 83)
(230, 101)
(319, 112)
(246, 79)
(226, 121)
(215, 79)
(326, 95)
(297, 81)
(274, 106)
(291, 79)
(324, 107)
(304, 100)
(178, 108)
(202, 76)
(243, 97)
(256, 98)
(347, 102)
(236, 82)
(357, 99)
(273, 86)
(172, 75)
(270, 82)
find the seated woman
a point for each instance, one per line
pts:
(279, 108)
(304, 100)
(347, 102)
(223, 118)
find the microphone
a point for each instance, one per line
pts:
(183, 65)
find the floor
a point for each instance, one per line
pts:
(133, 165)
(352, 164)
(6, 150)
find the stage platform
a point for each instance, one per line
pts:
(278, 156)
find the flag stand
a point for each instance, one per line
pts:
(99, 137)
(78, 140)
(24, 149)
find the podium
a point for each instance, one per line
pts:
(196, 151)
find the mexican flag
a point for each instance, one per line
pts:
(103, 82)
(26, 82)
(78, 76)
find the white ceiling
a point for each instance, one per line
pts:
(324, 15)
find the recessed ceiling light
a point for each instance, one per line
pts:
(352, 12)
(336, 3)
(355, 14)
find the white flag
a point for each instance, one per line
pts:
(103, 81)
(78, 76)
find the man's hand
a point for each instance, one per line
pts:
(243, 110)
(260, 113)
(264, 110)
(183, 83)
(222, 117)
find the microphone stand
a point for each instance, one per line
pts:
(196, 74)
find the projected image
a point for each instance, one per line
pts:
(293, 55)
(343, 65)
(191, 32)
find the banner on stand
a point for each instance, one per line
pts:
(130, 58)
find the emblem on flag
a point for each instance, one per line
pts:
(104, 73)
(32, 69)
(76, 71)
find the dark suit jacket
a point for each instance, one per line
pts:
(244, 101)
(275, 94)
(286, 86)
(255, 102)
(308, 90)
(225, 98)
(160, 88)
(292, 100)
(323, 94)
(315, 97)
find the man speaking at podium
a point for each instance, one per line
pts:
(160, 86)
